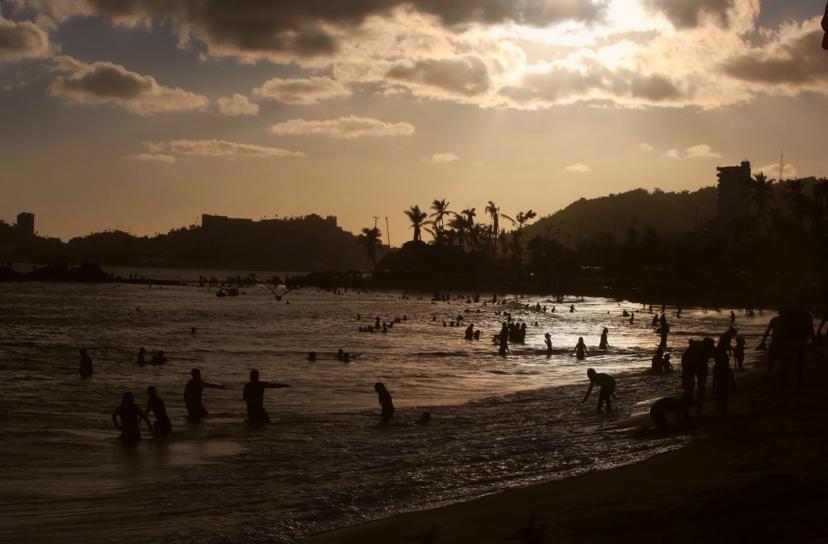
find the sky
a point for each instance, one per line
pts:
(141, 115)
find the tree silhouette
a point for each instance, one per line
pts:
(441, 210)
(796, 198)
(371, 241)
(761, 196)
(417, 218)
(494, 212)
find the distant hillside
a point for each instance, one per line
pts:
(303, 244)
(666, 213)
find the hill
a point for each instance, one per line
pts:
(615, 214)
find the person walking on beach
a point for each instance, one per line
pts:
(607, 391)
(604, 344)
(127, 418)
(580, 350)
(162, 427)
(694, 368)
(385, 402)
(192, 395)
(739, 351)
(253, 395)
(85, 367)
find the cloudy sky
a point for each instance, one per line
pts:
(142, 114)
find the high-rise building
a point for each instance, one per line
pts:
(25, 224)
(734, 192)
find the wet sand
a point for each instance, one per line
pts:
(759, 474)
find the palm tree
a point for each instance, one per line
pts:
(371, 242)
(469, 214)
(761, 195)
(494, 212)
(521, 219)
(417, 218)
(796, 198)
(460, 226)
(441, 210)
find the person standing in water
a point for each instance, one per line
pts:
(607, 391)
(580, 350)
(253, 395)
(127, 418)
(504, 339)
(85, 368)
(604, 344)
(385, 402)
(162, 426)
(739, 352)
(192, 395)
(547, 338)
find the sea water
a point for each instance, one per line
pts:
(325, 461)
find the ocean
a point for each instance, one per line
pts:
(325, 461)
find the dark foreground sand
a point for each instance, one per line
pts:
(757, 475)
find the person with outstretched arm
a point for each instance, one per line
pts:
(192, 395)
(253, 395)
(127, 418)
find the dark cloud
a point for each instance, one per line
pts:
(467, 76)
(799, 61)
(108, 83)
(691, 13)
(21, 40)
(309, 28)
(592, 81)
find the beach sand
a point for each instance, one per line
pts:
(758, 474)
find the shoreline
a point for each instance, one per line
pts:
(756, 474)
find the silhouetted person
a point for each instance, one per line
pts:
(774, 330)
(547, 338)
(385, 402)
(572, 308)
(85, 368)
(580, 350)
(694, 368)
(192, 395)
(504, 340)
(312, 356)
(253, 395)
(732, 319)
(425, 418)
(797, 327)
(162, 427)
(678, 407)
(126, 418)
(142, 353)
(739, 352)
(470, 332)
(604, 344)
(607, 391)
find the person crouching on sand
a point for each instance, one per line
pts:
(607, 391)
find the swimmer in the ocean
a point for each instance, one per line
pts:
(580, 350)
(253, 395)
(193, 393)
(547, 338)
(604, 344)
(607, 391)
(127, 418)
(162, 426)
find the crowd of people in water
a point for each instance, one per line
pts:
(785, 340)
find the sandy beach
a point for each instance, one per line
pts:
(758, 474)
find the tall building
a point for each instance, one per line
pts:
(734, 192)
(25, 224)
